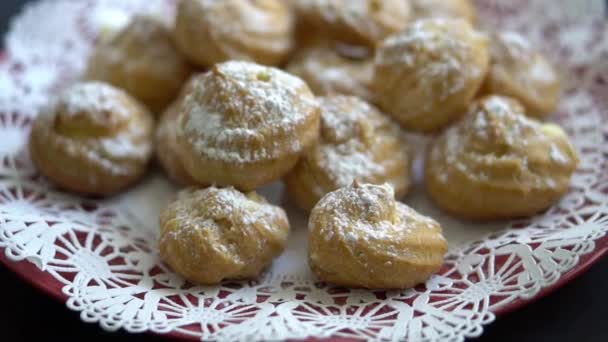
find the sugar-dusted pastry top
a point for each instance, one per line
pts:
(367, 213)
(329, 72)
(211, 31)
(518, 70)
(245, 125)
(92, 135)
(426, 74)
(208, 235)
(357, 142)
(360, 236)
(498, 163)
(100, 124)
(363, 22)
(496, 135)
(354, 139)
(436, 58)
(244, 112)
(143, 60)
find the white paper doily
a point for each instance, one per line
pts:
(104, 255)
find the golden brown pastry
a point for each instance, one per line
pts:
(359, 22)
(426, 75)
(94, 139)
(166, 142)
(443, 9)
(328, 72)
(209, 235)
(166, 148)
(211, 31)
(143, 60)
(518, 70)
(357, 142)
(245, 125)
(359, 236)
(497, 163)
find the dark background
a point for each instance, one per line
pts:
(576, 312)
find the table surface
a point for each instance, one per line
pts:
(577, 311)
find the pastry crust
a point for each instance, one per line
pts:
(166, 148)
(166, 141)
(95, 139)
(328, 72)
(443, 9)
(209, 235)
(426, 75)
(357, 142)
(211, 31)
(245, 125)
(359, 22)
(497, 163)
(359, 236)
(519, 71)
(143, 60)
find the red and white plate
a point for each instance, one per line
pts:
(100, 255)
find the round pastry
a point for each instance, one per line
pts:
(357, 142)
(245, 125)
(443, 9)
(426, 75)
(94, 139)
(497, 163)
(359, 236)
(359, 22)
(519, 71)
(211, 31)
(209, 235)
(143, 60)
(328, 72)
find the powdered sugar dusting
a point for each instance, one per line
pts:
(98, 129)
(366, 213)
(271, 21)
(347, 164)
(360, 210)
(434, 53)
(122, 146)
(111, 124)
(239, 106)
(557, 155)
(497, 120)
(228, 201)
(374, 19)
(341, 116)
(328, 72)
(92, 97)
(511, 48)
(496, 133)
(343, 152)
(206, 207)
